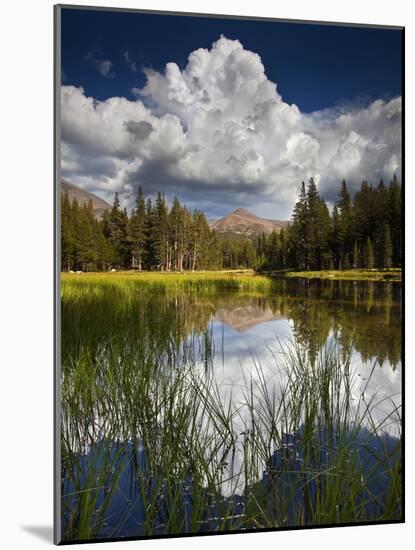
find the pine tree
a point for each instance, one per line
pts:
(317, 229)
(104, 251)
(200, 240)
(369, 255)
(380, 219)
(361, 233)
(336, 239)
(178, 230)
(117, 234)
(149, 232)
(67, 234)
(395, 220)
(298, 232)
(160, 233)
(137, 231)
(77, 235)
(387, 248)
(283, 251)
(273, 251)
(325, 227)
(356, 262)
(363, 215)
(345, 230)
(215, 256)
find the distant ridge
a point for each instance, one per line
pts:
(99, 206)
(244, 222)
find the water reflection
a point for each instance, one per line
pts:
(236, 339)
(366, 316)
(245, 318)
(256, 333)
(363, 319)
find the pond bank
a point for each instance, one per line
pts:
(393, 274)
(341, 274)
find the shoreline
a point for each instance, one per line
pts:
(392, 274)
(383, 275)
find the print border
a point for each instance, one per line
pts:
(57, 244)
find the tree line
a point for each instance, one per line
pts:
(363, 232)
(152, 237)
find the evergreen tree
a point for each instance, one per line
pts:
(345, 228)
(149, 233)
(117, 234)
(336, 239)
(161, 233)
(363, 232)
(178, 233)
(199, 241)
(356, 262)
(67, 234)
(395, 220)
(387, 248)
(380, 220)
(317, 229)
(298, 232)
(363, 215)
(137, 231)
(104, 251)
(273, 251)
(369, 255)
(87, 251)
(324, 227)
(283, 251)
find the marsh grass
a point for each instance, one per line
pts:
(198, 282)
(307, 454)
(391, 274)
(151, 444)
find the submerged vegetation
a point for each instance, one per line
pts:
(154, 443)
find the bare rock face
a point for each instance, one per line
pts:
(99, 206)
(243, 222)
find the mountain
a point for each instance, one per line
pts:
(243, 222)
(83, 197)
(242, 319)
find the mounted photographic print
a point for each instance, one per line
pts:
(229, 256)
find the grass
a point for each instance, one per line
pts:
(292, 454)
(200, 283)
(151, 444)
(394, 274)
(238, 278)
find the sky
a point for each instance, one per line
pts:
(226, 113)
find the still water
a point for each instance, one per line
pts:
(257, 330)
(235, 341)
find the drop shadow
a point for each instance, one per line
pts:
(42, 532)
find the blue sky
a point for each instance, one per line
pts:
(316, 66)
(329, 71)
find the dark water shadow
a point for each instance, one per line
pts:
(42, 532)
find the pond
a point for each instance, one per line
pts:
(193, 408)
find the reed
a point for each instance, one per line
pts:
(151, 445)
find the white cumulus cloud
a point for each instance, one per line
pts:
(103, 66)
(219, 135)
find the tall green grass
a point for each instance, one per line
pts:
(191, 436)
(199, 282)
